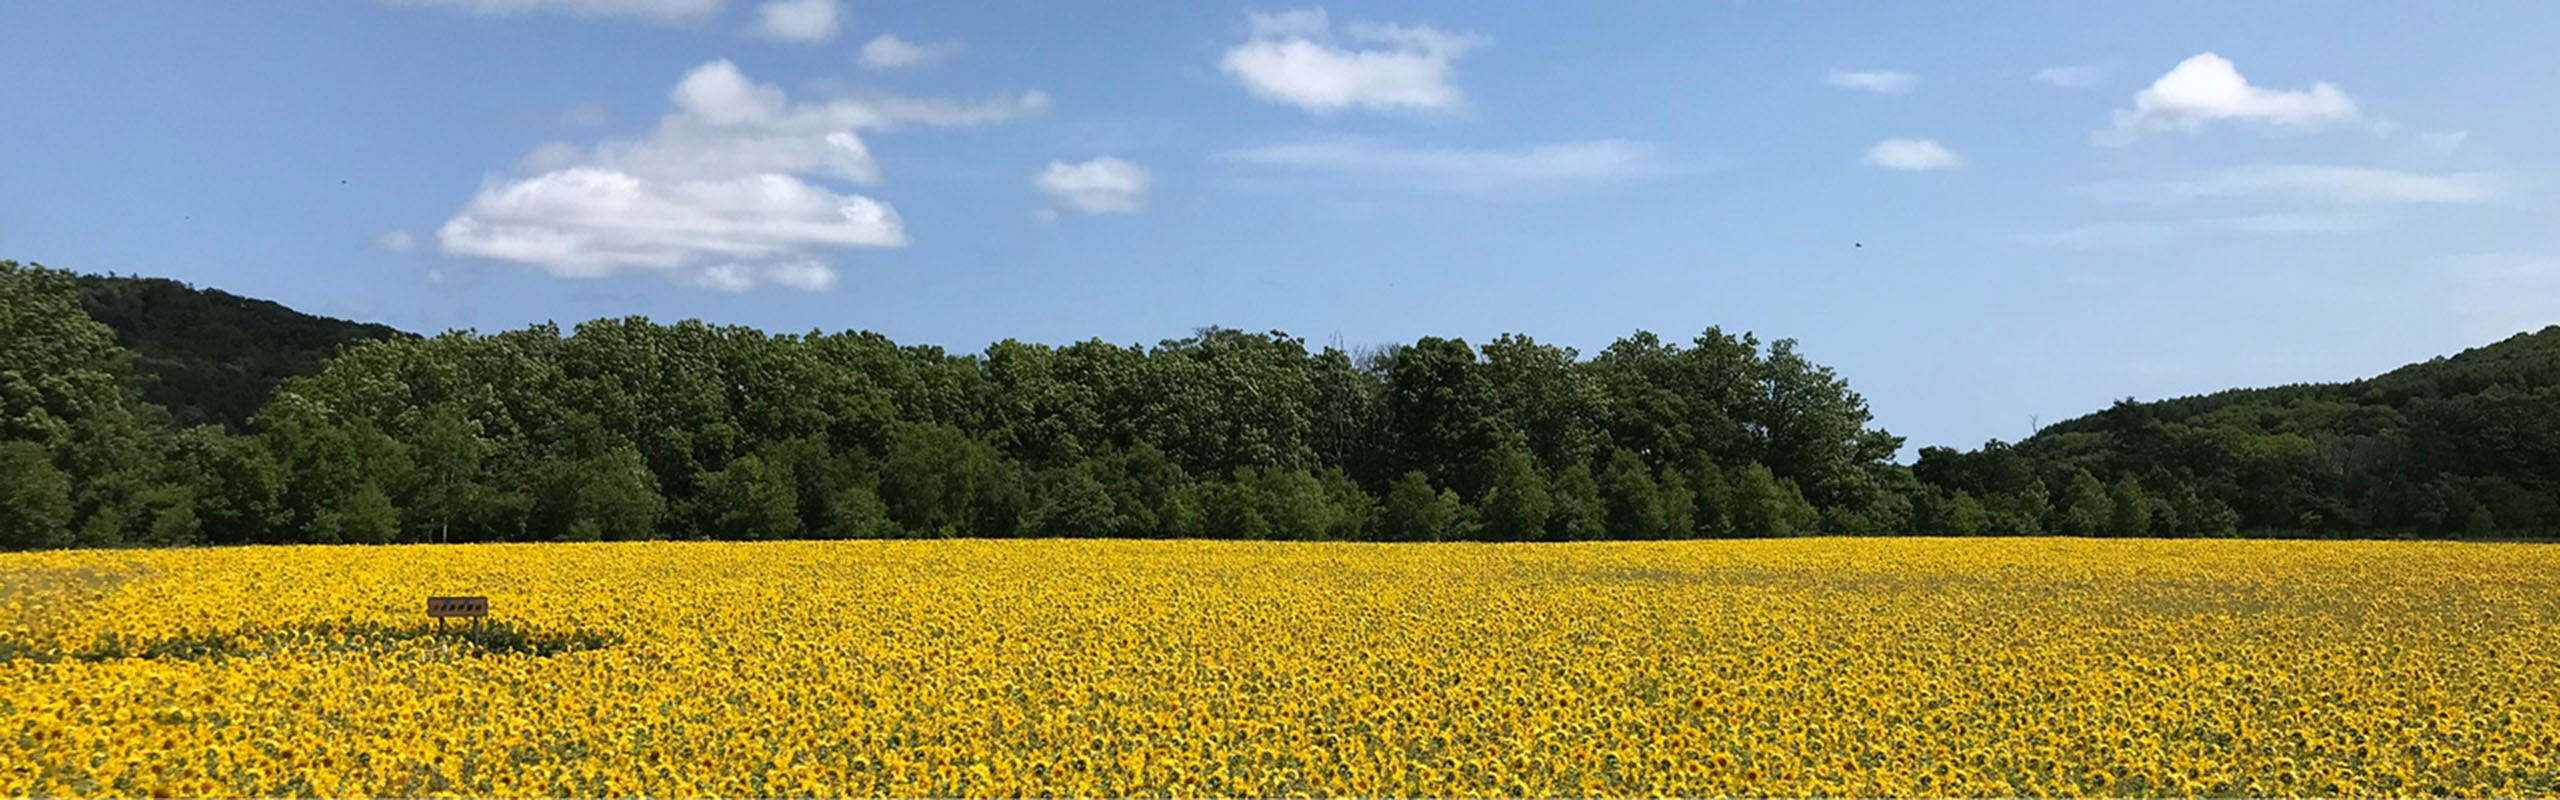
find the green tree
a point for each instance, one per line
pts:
(1631, 501)
(1765, 505)
(857, 513)
(1228, 509)
(447, 450)
(1579, 514)
(1712, 498)
(365, 516)
(35, 502)
(1965, 516)
(1440, 412)
(66, 387)
(1146, 487)
(608, 496)
(1414, 513)
(1071, 503)
(2480, 524)
(2085, 507)
(2020, 512)
(236, 486)
(748, 500)
(1517, 506)
(1678, 502)
(940, 481)
(1300, 505)
(2129, 509)
(1543, 393)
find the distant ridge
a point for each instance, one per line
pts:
(210, 356)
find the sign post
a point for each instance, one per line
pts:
(441, 607)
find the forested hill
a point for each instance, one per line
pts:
(2467, 445)
(2522, 363)
(210, 356)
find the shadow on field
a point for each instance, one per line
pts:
(490, 639)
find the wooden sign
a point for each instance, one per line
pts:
(442, 607)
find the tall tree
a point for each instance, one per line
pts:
(66, 388)
(1440, 412)
(1517, 505)
(2128, 509)
(1413, 512)
(2085, 507)
(1632, 501)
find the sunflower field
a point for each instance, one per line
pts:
(976, 668)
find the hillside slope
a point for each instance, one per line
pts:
(210, 356)
(2461, 445)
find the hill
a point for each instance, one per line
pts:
(2460, 445)
(210, 356)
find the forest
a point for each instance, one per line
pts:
(145, 412)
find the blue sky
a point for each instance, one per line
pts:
(1978, 214)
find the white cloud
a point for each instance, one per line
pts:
(586, 115)
(1297, 57)
(590, 221)
(2335, 184)
(2321, 182)
(807, 21)
(807, 276)
(1881, 81)
(395, 241)
(2106, 235)
(2206, 88)
(887, 51)
(2442, 143)
(660, 11)
(1100, 186)
(2078, 76)
(1459, 168)
(723, 193)
(1913, 155)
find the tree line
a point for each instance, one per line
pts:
(630, 429)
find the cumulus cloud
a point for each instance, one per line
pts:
(1913, 155)
(887, 51)
(727, 192)
(1880, 81)
(395, 241)
(1463, 168)
(590, 221)
(1299, 58)
(659, 11)
(2078, 76)
(2322, 182)
(1104, 185)
(2207, 88)
(807, 21)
